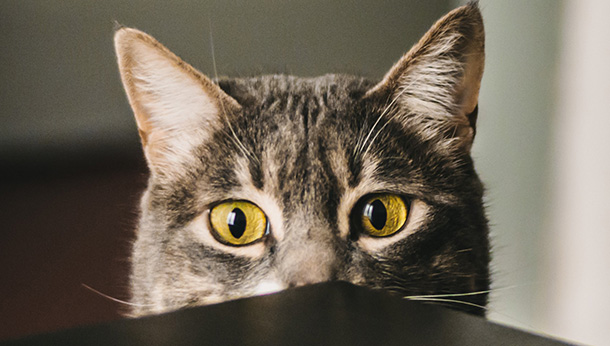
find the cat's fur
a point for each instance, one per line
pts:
(306, 150)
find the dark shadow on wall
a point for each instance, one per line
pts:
(69, 227)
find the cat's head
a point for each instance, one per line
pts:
(266, 183)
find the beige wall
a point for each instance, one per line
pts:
(511, 150)
(577, 271)
(543, 149)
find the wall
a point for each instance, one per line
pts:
(511, 150)
(577, 270)
(544, 153)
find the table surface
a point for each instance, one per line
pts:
(324, 314)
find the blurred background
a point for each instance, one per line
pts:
(72, 168)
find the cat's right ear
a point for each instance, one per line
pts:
(176, 107)
(436, 84)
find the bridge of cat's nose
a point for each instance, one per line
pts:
(308, 277)
(308, 264)
(309, 251)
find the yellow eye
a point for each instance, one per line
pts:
(238, 223)
(383, 215)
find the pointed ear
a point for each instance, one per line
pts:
(176, 107)
(438, 80)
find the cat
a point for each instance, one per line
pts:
(266, 183)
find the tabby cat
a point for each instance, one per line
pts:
(266, 183)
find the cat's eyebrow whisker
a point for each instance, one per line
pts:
(115, 299)
(360, 144)
(392, 103)
(235, 139)
(212, 49)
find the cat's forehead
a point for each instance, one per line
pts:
(298, 130)
(316, 133)
(331, 90)
(299, 118)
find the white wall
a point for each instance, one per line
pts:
(543, 150)
(511, 150)
(577, 270)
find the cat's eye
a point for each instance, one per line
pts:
(238, 223)
(382, 215)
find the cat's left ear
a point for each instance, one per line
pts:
(437, 82)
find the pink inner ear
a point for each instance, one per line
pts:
(472, 119)
(175, 106)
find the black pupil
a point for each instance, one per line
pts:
(377, 213)
(237, 222)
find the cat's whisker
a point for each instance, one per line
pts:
(448, 295)
(115, 299)
(465, 293)
(489, 310)
(451, 301)
(444, 298)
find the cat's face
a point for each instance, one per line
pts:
(273, 182)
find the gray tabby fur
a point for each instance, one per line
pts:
(306, 150)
